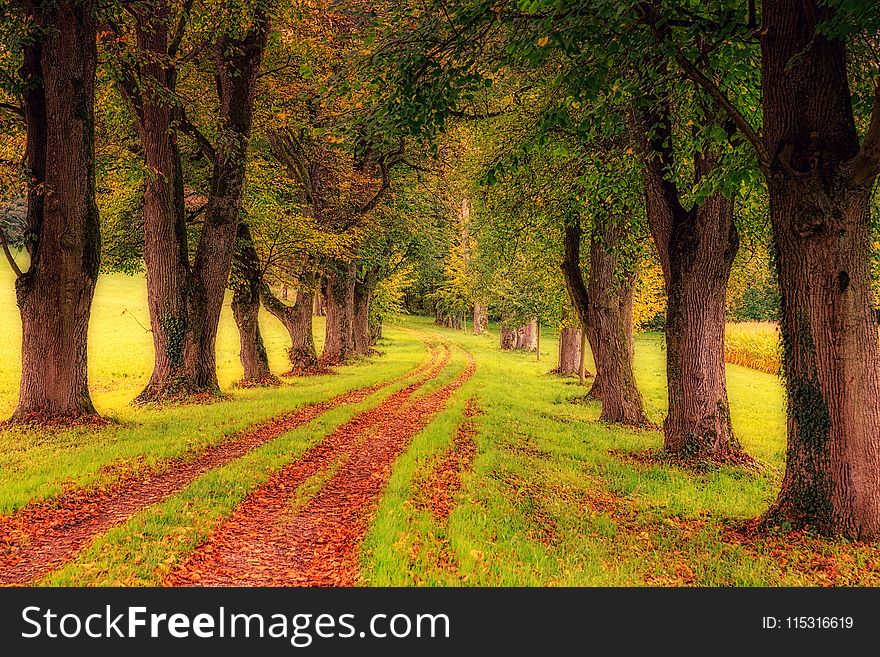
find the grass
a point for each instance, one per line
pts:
(551, 498)
(754, 345)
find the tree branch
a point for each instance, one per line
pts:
(8, 254)
(865, 166)
(13, 108)
(742, 124)
(571, 271)
(203, 143)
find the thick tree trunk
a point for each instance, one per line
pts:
(297, 319)
(319, 310)
(696, 248)
(339, 298)
(527, 336)
(363, 294)
(165, 242)
(184, 301)
(238, 63)
(246, 286)
(55, 294)
(508, 338)
(820, 182)
(481, 319)
(569, 351)
(605, 307)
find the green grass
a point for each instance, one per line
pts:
(551, 498)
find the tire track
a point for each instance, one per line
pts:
(42, 536)
(264, 543)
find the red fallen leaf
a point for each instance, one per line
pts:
(318, 545)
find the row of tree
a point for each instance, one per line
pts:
(683, 119)
(277, 178)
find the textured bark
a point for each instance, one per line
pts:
(605, 309)
(569, 351)
(55, 294)
(696, 248)
(481, 319)
(508, 338)
(363, 294)
(238, 63)
(527, 336)
(297, 319)
(165, 246)
(185, 300)
(819, 182)
(339, 298)
(246, 286)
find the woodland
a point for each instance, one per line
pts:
(433, 292)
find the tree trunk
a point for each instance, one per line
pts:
(319, 310)
(246, 285)
(569, 351)
(363, 294)
(238, 63)
(165, 243)
(339, 297)
(297, 319)
(820, 183)
(605, 308)
(582, 365)
(481, 319)
(184, 301)
(696, 248)
(55, 294)
(508, 338)
(537, 340)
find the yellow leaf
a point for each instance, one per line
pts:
(543, 41)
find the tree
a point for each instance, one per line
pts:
(185, 297)
(55, 293)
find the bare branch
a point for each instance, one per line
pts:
(15, 109)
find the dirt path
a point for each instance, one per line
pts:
(44, 535)
(266, 542)
(438, 490)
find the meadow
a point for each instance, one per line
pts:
(753, 344)
(550, 497)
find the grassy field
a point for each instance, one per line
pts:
(553, 497)
(754, 345)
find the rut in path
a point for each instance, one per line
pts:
(264, 543)
(44, 535)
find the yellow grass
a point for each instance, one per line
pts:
(754, 345)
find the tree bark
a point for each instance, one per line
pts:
(55, 294)
(185, 301)
(508, 338)
(569, 351)
(246, 285)
(605, 308)
(696, 248)
(820, 182)
(165, 243)
(297, 319)
(363, 294)
(481, 319)
(238, 63)
(339, 298)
